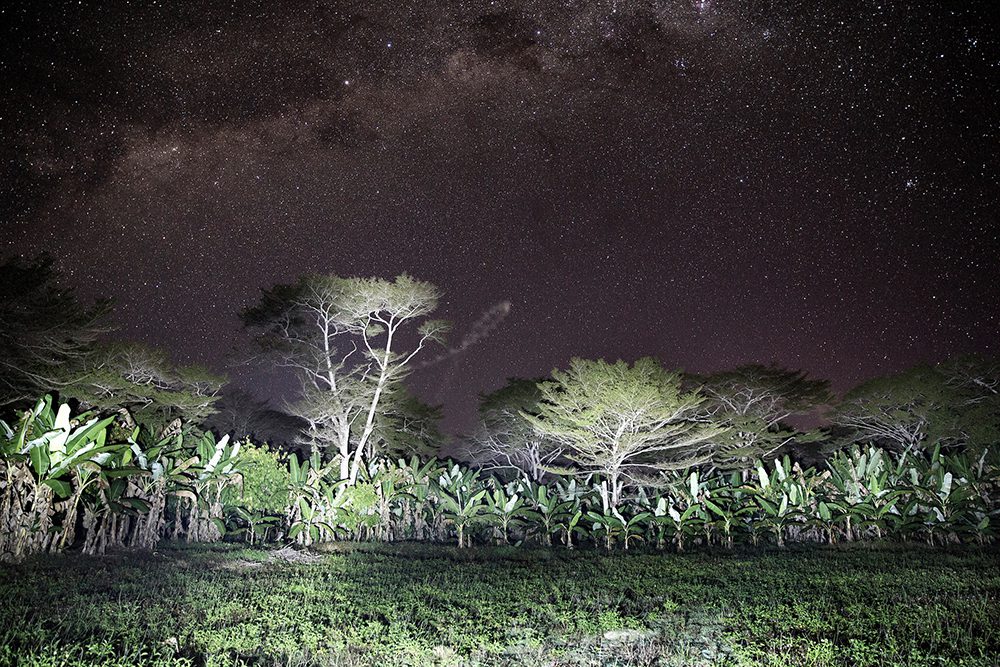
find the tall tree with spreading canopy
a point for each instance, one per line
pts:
(754, 402)
(46, 334)
(953, 404)
(504, 439)
(342, 337)
(626, 423)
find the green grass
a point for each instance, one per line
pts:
(423, 605)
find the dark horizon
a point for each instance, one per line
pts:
(711, 183)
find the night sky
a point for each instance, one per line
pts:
(714, 183)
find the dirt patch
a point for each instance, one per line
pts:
(291, 555)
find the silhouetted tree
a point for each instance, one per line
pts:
(46, 334)
(406, 426)
(241, 415)
(50, 342)
(953, 404)
(753, 403)
(504, 439)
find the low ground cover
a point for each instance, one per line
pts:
(415, 604)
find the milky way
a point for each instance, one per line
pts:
(709, 182)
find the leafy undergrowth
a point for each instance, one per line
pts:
(431, 605)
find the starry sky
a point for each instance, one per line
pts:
(711, 182)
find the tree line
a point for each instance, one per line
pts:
(631, 438)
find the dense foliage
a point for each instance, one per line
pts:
(122, 487)
(50, 342)
(59, 473)
(599, 457)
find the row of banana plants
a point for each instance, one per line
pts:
(123, 488)
(90, 481)
(860, 494)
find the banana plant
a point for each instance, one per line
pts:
(727, 505)
(548, 512)
(315, 520)
(258, 522)
(682, 511)
(951, 504)
(67, 459)
(506, 508)
(661, 524)
(418, 512)
(781, 497)
(391, 489)
(461, 494)
(905, 520)
(312, 500)
(216, 469)
(861, 490)
(166, 464)
(613, 525)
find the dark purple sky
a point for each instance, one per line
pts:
(714, 183)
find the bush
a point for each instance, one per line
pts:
(265, 480)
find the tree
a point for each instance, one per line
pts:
(505, 439)
(406, 426)
(242, 415)
(49, 342)
(143, 381)
(953, 404)
(623, 422)
(753, 402)
(903, 411)
(46, 334)
(975, 380)
(341, 337)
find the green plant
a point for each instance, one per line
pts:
(506, 509)
(461, 495)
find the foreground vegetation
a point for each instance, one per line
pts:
(58, 474)
(429, 605)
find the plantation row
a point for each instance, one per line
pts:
(61, 474)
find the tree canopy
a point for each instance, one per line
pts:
(50, 341)
(623, 422)
(753, 403)
(953, 404)
(342, 338)
(46, 334)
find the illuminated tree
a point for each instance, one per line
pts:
(144, 382)
(623, 422)
(341, 337)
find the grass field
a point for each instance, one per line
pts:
(422, 605)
